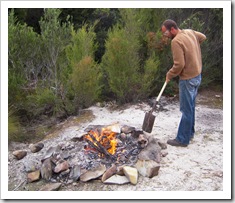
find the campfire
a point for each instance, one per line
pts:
(113, 144)
(105, 142)
(115, 154)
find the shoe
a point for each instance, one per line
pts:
(174, 142)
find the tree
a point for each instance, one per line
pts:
(23, 56)
(121, 64)
(84, 71)
(55, 37)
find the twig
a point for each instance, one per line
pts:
(19, 185)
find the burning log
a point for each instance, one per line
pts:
(99, 147)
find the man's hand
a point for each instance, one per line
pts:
(167, 79)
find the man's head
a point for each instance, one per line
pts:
(169, 28)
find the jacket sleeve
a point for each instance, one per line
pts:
(178, 58)
(201, 37)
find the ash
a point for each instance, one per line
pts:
(127, 152)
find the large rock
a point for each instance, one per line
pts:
(36, 147)
(93, 174)
(75, 173)
(61, 167)
(32, 165)
(117, 179)
(33, 176)
(111, 171)
(51, 187)
(131, 174)
(152, 151)
(46, 169)
(114, 128)
(19, 154)
(51, 151)
(127, 129)
(147, 168)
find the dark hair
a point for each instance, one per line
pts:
(169, 24)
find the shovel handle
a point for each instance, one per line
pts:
(160, 94)
(158, 97)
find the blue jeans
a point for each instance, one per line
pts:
(187, 94)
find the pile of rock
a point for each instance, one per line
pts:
(68, 162)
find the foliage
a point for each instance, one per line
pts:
(82, 45)
(84, 76)
(212, 50)
(71, 57)
(84, 80)
(121, 61)
(23, 57)
(55, 36)
(13, 124)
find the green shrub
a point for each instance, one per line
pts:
(43, 101)
(13, 125)
(126, 78)
(84, 81)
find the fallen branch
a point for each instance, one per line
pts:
(21, 183)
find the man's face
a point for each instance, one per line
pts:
(167, 33)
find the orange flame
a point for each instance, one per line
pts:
(106, 138)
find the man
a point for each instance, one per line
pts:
(186, 51)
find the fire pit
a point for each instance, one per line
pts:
(114, 154)
(113, 144)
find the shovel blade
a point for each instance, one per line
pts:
(149, 119)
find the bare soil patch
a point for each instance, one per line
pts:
(198, 167)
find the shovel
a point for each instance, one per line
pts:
(149, 117)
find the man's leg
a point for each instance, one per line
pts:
(187, 94)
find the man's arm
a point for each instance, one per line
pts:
(201, 37)
(178, 58)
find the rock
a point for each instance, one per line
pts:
(93, 127)
(65, 173)
(36, 147)
(51, 151)
(123, 136)
(93, 174)
(33, 176)
(75, 173)
(164, 153)
(114, 128)
(147, 168)
(136, 133)
(131, 174)
(120, 171)
(152, 152)
(117, 179)
(127, 129)
(19, 154)
(66, 154)
(162, 144)
(111, 171)
(51, 187)
(46, 169)
(61, 167)
(32, 165)
(142, 141)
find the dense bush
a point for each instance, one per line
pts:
(83, 79)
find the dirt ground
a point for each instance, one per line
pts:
(197, 167)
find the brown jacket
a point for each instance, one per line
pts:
(186, 53)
